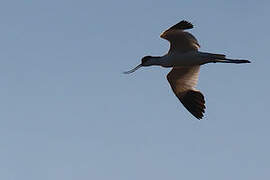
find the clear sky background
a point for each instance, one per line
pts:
(67, 111)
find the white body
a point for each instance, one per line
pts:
(191, 58)
(174, 59)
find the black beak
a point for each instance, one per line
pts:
(133, 70)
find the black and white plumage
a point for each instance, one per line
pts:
(185, 59)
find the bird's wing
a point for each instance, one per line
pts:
(180, 40)
(183, 81)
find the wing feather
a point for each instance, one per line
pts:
(183, 81)
(182, 25)
(180, 40)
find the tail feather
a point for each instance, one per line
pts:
(236, 61)
(222, 59)
(218, 56)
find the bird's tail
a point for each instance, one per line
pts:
(221, 58)
(236, 61)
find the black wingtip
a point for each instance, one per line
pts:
(182, 25)
(194, 102)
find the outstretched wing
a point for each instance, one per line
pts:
(183, 81)
(180, 40)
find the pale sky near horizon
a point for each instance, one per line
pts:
(67, 111)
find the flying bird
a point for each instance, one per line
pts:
(185, 59)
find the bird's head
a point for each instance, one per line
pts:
(146, 61)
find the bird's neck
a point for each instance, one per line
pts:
(157, 61)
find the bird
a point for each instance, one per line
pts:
(185, 60)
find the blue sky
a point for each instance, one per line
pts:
(68, 112)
